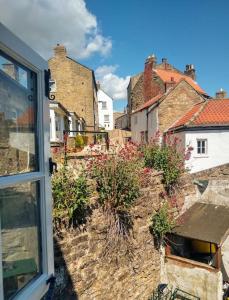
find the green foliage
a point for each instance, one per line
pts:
(161, 223)
(85, 140)
(117, 183)
(167, 159)
(79, 141)
(70, 197)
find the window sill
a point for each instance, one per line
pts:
(185, 262)
(201, 156)
(36, 290)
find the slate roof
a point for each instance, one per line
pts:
(207, 113)
(205, 222)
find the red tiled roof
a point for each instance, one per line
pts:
(167, 75)
(209, 112)
(148, 103)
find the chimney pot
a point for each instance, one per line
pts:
(164, 60)
(221, 94)
(190, 71)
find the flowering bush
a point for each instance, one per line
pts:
(118, 186)
(70, 198)
(167, 157)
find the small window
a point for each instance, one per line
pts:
(201, 146)
(104, 105)
(106, 118)
(52, 85)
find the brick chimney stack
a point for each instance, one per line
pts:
(60, 51)
(150, 64)
(151, 61)
(221, 94)
(190, 71)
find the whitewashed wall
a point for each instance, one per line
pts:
(217, 149)
(103, 97)
(197, 281)
(152, 123)
(139, 126)
(56, 136)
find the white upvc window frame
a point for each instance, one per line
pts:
(23, 54)
(206, 146)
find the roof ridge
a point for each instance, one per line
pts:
(198, 111)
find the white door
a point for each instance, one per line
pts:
(26, 248)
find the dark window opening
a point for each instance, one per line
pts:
(200, 251)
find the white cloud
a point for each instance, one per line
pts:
(111, 83)
(44, 23)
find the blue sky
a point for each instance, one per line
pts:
(184, 31)
(115, 37)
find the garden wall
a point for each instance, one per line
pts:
(83, 270)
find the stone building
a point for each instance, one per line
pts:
(157, 79)
(74, 86)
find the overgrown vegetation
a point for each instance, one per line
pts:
(167, 157)
(79, 141)
(162, 223)
(118, 186)
(70, 198)
(117, 179)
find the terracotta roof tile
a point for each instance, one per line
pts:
(166, 76)
(209, 112)
(148, 103)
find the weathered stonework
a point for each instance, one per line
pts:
(75, 86)
(176, 104)
(91, 275)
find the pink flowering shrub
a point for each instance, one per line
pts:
(167, 156)
(118, 186)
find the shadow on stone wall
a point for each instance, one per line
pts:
(64, 288)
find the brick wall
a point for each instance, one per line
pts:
(74, 86)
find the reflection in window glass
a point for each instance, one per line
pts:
(17, 118)
(20, 239)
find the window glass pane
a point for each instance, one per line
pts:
(20, 238)
(17, 118)
(106, 118)
(104, 105)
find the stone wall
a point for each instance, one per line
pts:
(84, 272)
(177, 103)
(75, 86)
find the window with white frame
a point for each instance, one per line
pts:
(201, 146)
(104, 105)
(106, 118)
(25, 197)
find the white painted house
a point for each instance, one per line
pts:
(144, 121)
(75, 123)
(205, 128)
(58, 121)
(105, 110)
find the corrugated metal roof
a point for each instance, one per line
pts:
(205, 222)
